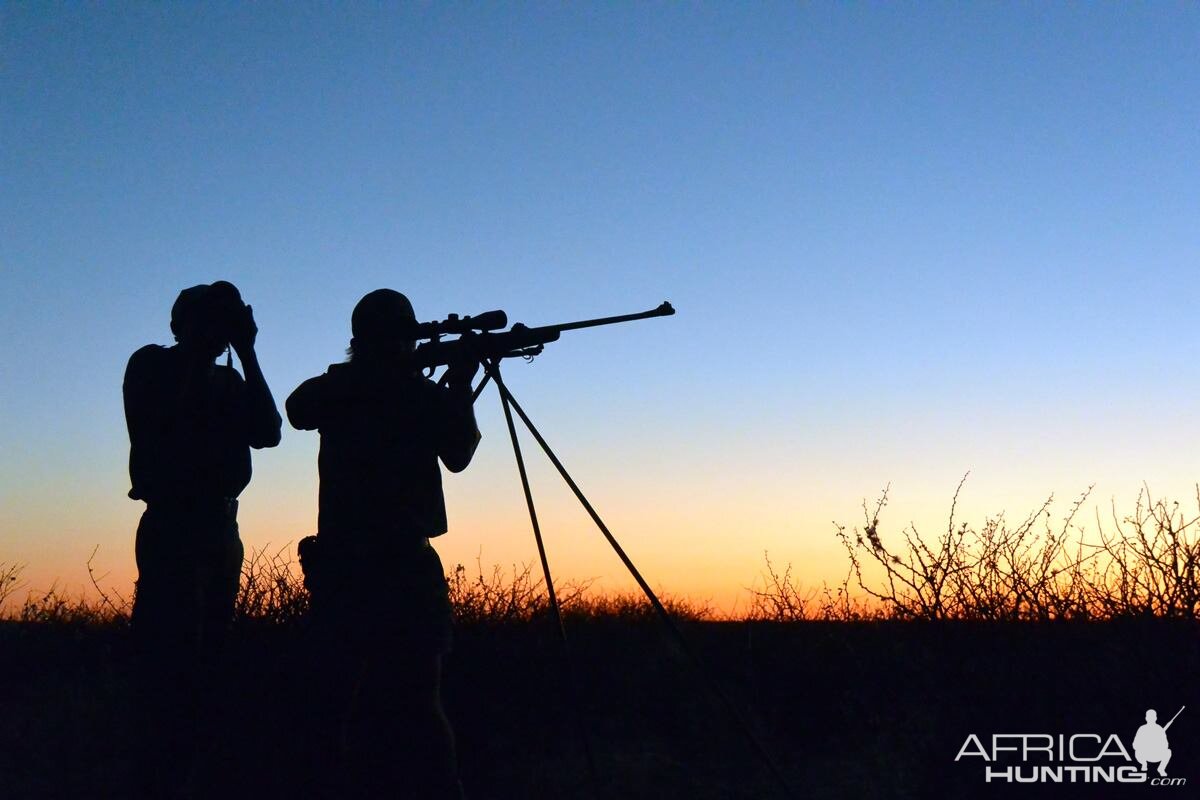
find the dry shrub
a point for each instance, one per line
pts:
(635, 607)
(271, 589)
(56, 607)
(10, 574)
(782, 598)
(1147, 564)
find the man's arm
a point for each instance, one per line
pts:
(458, 434)
(142, 415)
(134, 391)
(305, 403)
(263, 424)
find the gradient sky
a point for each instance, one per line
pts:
(904, 241)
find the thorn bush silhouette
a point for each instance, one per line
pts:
(1145, 564)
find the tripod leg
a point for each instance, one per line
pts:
(758, 746)
(478, 390)
(493, 369)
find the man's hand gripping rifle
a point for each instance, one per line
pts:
(480, 340)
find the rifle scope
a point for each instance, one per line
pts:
(454, 324)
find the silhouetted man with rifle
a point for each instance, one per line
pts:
(381, 614)
(191, 425)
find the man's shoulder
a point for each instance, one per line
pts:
(149, 352)
(313, 390)
(148, 358)
(335, 375)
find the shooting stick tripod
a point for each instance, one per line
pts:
(492, 369)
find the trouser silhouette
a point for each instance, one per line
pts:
(380, 624)
(189, 559)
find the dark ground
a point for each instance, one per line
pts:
(852, 710)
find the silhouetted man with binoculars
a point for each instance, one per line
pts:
(380, 608)
(191, 425)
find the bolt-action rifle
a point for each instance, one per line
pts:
(479, 339)
(1177, 713)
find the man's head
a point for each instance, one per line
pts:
(203, 316)
(382, 325)
(1151, 716)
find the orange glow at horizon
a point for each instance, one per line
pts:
(696, 517)
(707, 549)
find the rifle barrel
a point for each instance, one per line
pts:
(1177, 713)
(664, 310)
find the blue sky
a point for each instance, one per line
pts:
(905, 241)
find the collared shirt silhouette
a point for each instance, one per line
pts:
(381, 616)
(191, 425)
(1150, 743)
